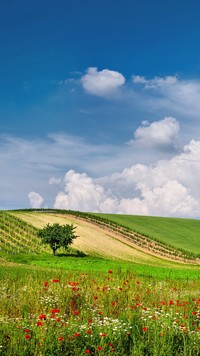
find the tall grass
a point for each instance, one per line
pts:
(57, 312)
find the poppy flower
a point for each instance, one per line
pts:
(42, 316)
(55, 280)
(27, 336)
(99, 348)
(60, 338)
(102, 334)
(144, 328)
(55, 311)
(87, 351)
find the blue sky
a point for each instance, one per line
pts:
(99, 106)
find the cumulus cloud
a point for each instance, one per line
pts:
(102, 83)
(166, 188)
(35, 199)
(163, 133)
(82, 193)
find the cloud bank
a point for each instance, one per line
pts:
(166, 188)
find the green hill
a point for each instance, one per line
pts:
(180, 233)
(168, 238)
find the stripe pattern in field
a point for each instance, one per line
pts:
(95, 240)
(18, 236)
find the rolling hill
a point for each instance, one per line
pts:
(149, 240)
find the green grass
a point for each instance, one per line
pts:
(180, 233)
(57, 312)
(75, 304)
(96, 264)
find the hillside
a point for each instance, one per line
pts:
(181, 233)
(101, 237)
(17, 235)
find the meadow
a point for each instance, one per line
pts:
(63, 312)
(79, 303)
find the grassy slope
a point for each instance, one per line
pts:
(180, 233)
(150, 266)
(95, 243)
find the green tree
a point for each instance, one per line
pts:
(57, 236)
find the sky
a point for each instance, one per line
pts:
(100, 106)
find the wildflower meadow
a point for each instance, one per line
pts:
(101, 313)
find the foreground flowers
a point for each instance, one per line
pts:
(81, 314)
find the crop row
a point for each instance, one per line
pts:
(140, 240)
(17, 236)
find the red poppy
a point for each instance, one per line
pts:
(55, 311)
(76, 334)
(89, 332)
(39, 323)
(144, 328)
(60, 338)
(42, 316)
(27, 336)
(55, 280)
(99, 348)
(102, 334)
(87, 351)
(46, 284)
(26, 330)
(110, 271)
(76, 312)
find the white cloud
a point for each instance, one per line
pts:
(166, 188)
(169, 199)
(54, 181)
(169, 94)
(102, 83)
(163, 133)
(82, 193)
(155, 82)
(35, 199)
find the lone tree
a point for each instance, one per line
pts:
(57, 236)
